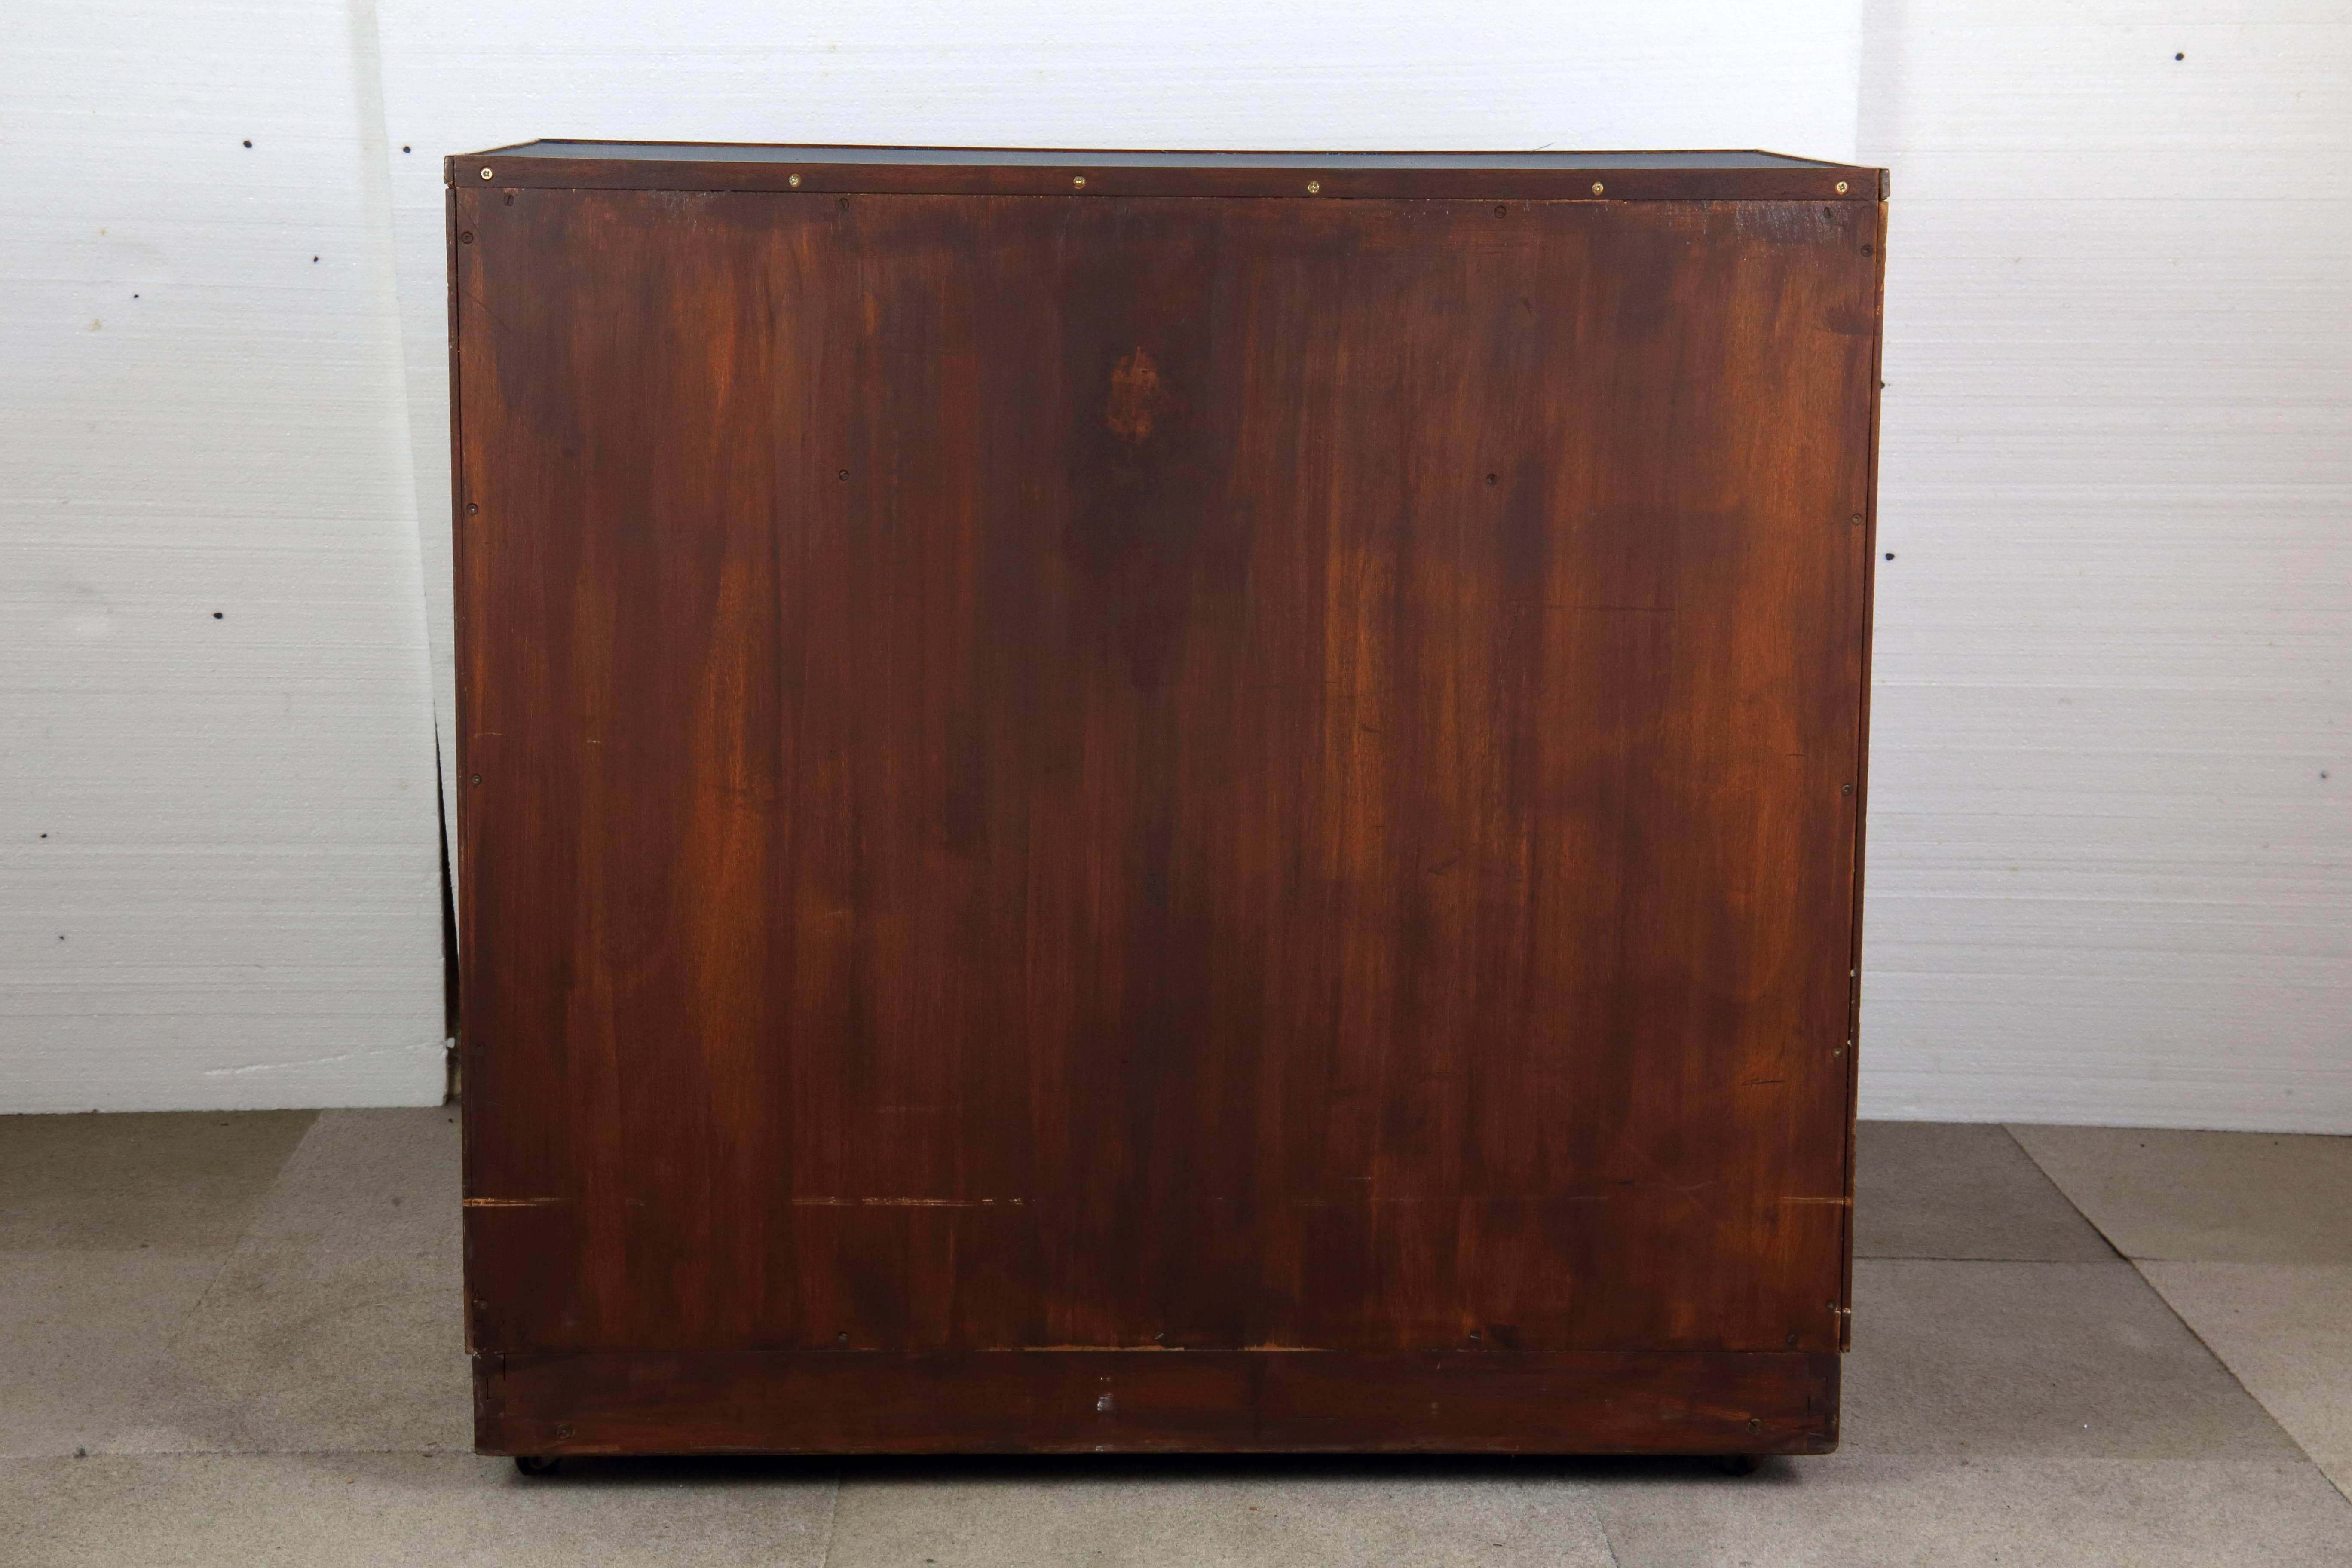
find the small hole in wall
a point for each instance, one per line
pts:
(217, 615)
(2181, 56)
(408, 149)
(248, 141)
(1890, 555)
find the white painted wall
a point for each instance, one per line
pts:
(2115, 650)
(2108, 881)
(219, 867)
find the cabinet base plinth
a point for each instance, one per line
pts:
(852, 1402)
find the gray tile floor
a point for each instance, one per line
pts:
(232, 1338)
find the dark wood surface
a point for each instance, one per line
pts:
(1110, 775)
(1099, 173)
(880, 1402)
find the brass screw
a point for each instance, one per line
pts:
(1079, 182)
(1596, 188)
(1854, 521)
(486, 173)
(1841, 187)
(793, 182)
(1314, 187)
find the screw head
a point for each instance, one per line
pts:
(1596, 188)
(477, 779)
(471, 509)
(794, 182)
(1077, 182)
(1841, 187)
(486, 173)
(465, 237)
(1845, 789)
(1314, 187)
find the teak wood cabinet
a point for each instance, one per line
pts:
(1119, 801)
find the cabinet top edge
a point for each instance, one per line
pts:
(1674, 174)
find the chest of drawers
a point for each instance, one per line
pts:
(1127, 801)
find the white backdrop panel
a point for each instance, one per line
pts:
(2111, 753)
(219, 881)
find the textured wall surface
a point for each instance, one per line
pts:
(2111, 784)
(219, 859)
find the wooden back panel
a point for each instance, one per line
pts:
(1157, 772)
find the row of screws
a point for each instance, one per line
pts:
(1078, 182)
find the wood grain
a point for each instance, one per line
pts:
(607, 1402)
(1234, 775)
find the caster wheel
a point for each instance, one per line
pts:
(1739, 1464)
(537, 1464)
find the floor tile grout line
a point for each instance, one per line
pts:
(2177, 1316)
(188, 1321)
(831, 1521)
(1608, 1541)
(2059, 1188)
(1946, 1257)
(253, 1215)
(2223, 1360)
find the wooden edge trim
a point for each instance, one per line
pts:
(1327, 185)
(874, 1402)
